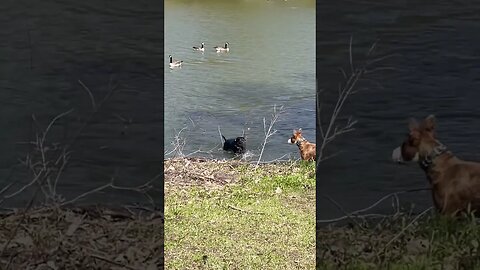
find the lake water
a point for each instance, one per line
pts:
(45, 50)
(435, 54)
(271, 63)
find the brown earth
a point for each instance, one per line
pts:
(81, 238)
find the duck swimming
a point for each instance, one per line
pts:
(176, 63)
(222, 49)
(201, 48)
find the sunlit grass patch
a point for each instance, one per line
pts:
(264, 218)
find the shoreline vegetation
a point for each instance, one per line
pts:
(86, 237)
(230, 214)
(54, 232)
(400, 241)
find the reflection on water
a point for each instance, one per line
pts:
(270, 62)
(436, 71)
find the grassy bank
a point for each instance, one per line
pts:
(229, 215)
(401, 242)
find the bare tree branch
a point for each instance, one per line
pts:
(269, 131)
(332, 129)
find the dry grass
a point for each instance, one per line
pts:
(81, 238)
(194, 171)
(199, 171)
(401, 241)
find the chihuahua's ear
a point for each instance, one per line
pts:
(430, 123)
(413, 124)
(294, 131)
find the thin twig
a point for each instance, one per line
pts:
(34, 180)
(330, 130)
(246, 211)
(27, 208)
(345, 212)
(220, 133)
(276, 160)
(112, 262)
(376, 203)
(268, 132)
(52, 122)
(7, 187)
(405, 228)
(92, 99)
(143, 188)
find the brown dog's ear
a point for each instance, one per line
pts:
(413, 124)
(430, 122)
(294, 131)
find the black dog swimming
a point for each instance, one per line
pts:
(237, 145)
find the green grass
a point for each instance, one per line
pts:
(433, 242)
(264, 219)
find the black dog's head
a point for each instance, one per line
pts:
(237, 145)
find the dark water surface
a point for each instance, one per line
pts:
(45, 49)
(436, 52)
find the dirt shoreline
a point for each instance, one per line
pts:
(81, 237)
(214, 173)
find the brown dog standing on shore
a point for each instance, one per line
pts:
(308, 150)
(455, 183)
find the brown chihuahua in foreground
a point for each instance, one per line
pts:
(455, 183)
(308, 150)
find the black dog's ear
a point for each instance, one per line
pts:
(224, 139)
